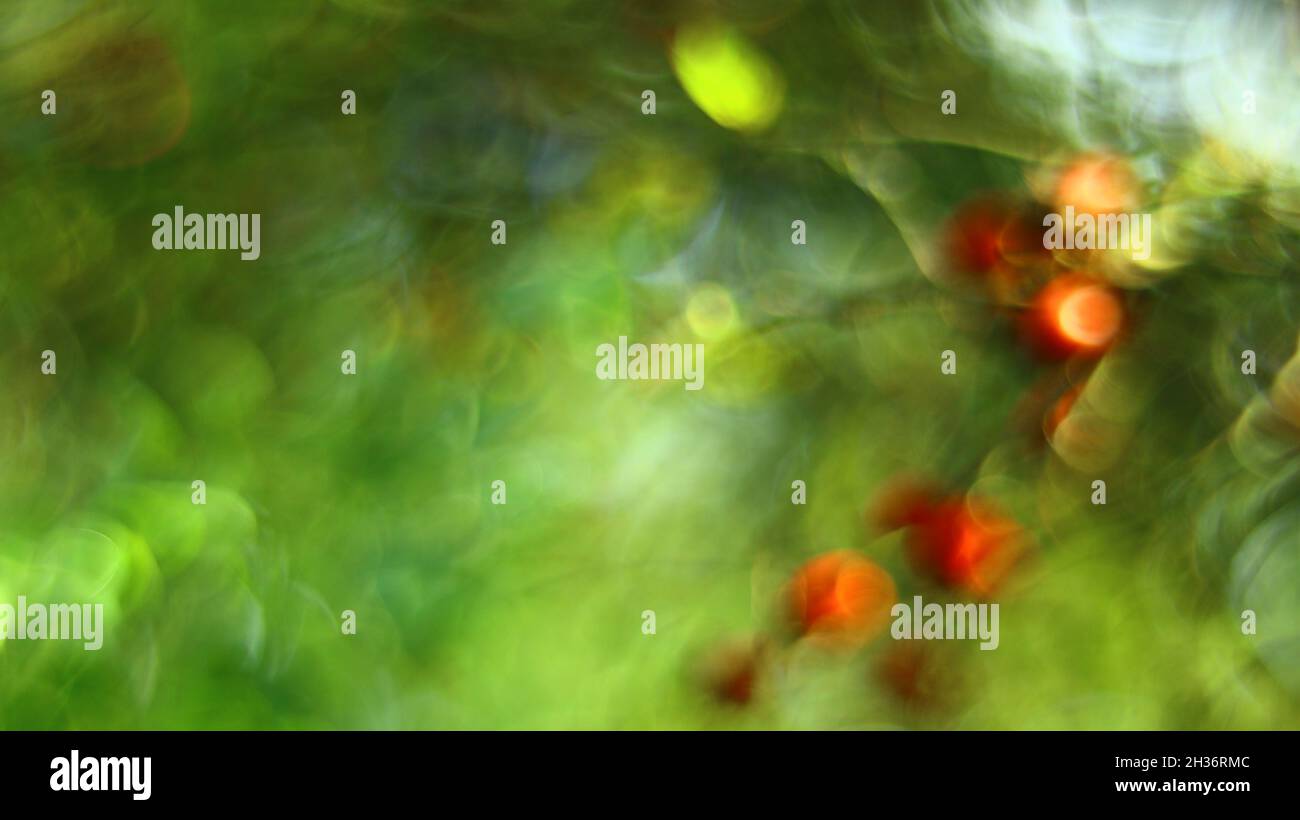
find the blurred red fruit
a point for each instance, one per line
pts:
(965, 544)
(730, 673)
(841, 598)
(916, 675)
(1072, 316)
(992, 239)
(975, 237)
(1097, 184)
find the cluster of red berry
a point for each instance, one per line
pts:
(1062, 312)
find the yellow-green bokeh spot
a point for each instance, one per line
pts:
(727, 77)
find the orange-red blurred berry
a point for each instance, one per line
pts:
(965, 544)
(992, 239)
(975, 237)
(730, 672)
(1073, 315)
(1097, 184)
(915, 674)
(841, 598)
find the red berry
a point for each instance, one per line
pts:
(841, 598)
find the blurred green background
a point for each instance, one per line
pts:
(371, 493)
